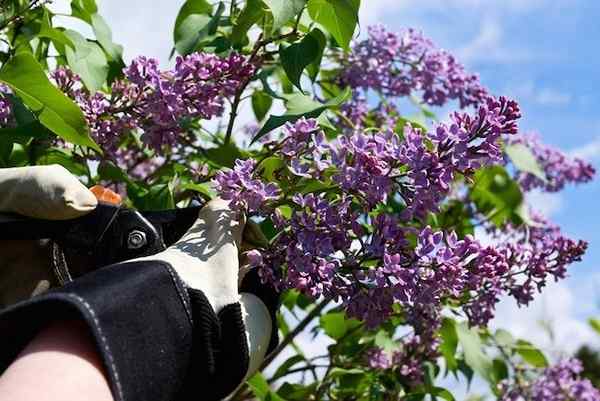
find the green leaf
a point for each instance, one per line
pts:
(339, 17)
(157, 197)
(524, 160)
(225, 155)
(334, 325)
(314, 67)
(87, 60)
(504, 338)
(261, 389)
(54, 110)
(296, 392)
(531, 354)
(251, 13)
(194, 24)
(301, 106)
(449, 343)
(261, 104)
(284, 10)
(57, 36)
(595, 324)
(473, 350)
(497, 195)
(83, 9)
(285, 366)
(104, 37)
(65, 159)
(297, 56)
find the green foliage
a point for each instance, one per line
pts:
(524, 160)
(498, 196)
(87, 60)
(301, 106)
(339, 17)
(531, 354)
(194, 24)
(296, 57)
(54, 110)
(284, 10)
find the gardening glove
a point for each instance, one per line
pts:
(43, 192)
(168, 327)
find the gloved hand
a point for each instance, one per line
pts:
(206, 259)
(44, 192)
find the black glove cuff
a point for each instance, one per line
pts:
(157, 340)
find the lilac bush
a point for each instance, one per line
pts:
(373, 219)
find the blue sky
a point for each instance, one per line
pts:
(541, 52)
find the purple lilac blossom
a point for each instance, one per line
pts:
(559, 168)
(244, 192)
(560, 382)
(157, 103)
(396, 64)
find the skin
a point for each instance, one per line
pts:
(61, 363)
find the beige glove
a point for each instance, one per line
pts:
(44, 192)
(206, 257)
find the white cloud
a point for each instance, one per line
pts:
(589, 151)
(551, 97)
(556, 309)
(543, 96)
(548, 204)
(142, 27)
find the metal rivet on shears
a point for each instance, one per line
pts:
(136, 239)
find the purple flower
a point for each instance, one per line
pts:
(398, 64)
(559, 168)
(377, 359)
(244, 192)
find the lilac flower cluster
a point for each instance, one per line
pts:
(461, 146)
(560, 169)
(160, 104)
(396, 64)
(407, 361)
(560, 382)
(519, 264)
(6, 115)
(243, 191)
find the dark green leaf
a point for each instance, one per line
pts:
(54, 110)
(296, 392)
(524, 160)
(300, 106)
(531, 354)
(285, 366)
(251, 13)
(500, 370)
(193, 25)
(87, 60)
(314, 67)
(339, 17)
(157, 197)
(65, 159)
(297, 56)
(261, 104)
(284, 10)
(497, 195)
(224, 156)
